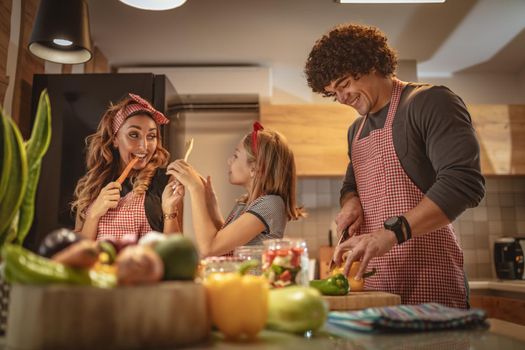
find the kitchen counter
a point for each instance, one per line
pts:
(500, 335)
(517, 286)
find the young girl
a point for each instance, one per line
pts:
(146, 200)
(264, 165)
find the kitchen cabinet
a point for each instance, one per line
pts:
(317, 134)
(501, 134)
(505, 308)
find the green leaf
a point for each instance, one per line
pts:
(36, 146)
(15, 192)
(6, 154)
(38, 143)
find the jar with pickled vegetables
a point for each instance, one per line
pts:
(285, 262)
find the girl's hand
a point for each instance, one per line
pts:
(172, 196)
(185, 174)
(108, 198)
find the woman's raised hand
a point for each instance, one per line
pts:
(172, 195)
(108, 198)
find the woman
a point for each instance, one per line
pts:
(146, 200)
(263, 164)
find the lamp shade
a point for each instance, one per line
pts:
(61, 32)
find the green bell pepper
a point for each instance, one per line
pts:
(334, 285)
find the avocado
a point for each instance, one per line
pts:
(179, 256)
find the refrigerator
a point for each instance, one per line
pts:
(78, 102)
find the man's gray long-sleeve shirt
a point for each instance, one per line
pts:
(436, 145)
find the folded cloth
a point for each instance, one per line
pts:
(431, 316)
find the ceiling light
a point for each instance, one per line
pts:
(388, 1)
(61, 32)
(155, 5)
(63, 42)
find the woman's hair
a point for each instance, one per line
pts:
(274, 170)
(349, 49)
(103, 162)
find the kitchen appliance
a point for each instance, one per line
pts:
(78, 102)
(509, 257)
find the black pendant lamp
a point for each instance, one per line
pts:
(61, 32)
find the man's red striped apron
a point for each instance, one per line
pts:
(427, 268)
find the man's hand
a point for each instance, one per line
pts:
(364, 248)
(350, 216)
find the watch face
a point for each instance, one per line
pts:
(391, 221)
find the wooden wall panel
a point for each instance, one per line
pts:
(98, 63)
(27, 66)
(67, 68)
(5, 31)
(317, 134)
(501, 133)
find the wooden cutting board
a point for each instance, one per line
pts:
(166, 314)
(362, 300)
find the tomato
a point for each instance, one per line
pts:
(295, 260)
(297, 250)
(282, 252)
(286, 276)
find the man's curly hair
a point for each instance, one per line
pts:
(349, 49)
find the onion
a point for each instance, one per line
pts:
(138, 265)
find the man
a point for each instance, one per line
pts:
(414, 168)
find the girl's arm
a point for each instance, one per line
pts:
(212, 242)
(212, 203)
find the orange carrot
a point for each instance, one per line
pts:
(126, 171)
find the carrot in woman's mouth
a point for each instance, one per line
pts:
(126, 171)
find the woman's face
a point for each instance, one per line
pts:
(241, 172)
(137, 138)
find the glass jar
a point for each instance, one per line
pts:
(251, 252)
(285, 262)
(219, 264)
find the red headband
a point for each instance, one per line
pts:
(138, 104)
(256, 127)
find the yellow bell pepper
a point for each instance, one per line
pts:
(238, 303)
(355, 285)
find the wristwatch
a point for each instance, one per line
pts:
(399, 225)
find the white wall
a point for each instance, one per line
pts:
(487, 88)
(214, 80)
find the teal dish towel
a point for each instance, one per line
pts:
(422, 317)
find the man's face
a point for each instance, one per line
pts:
(361, 94)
